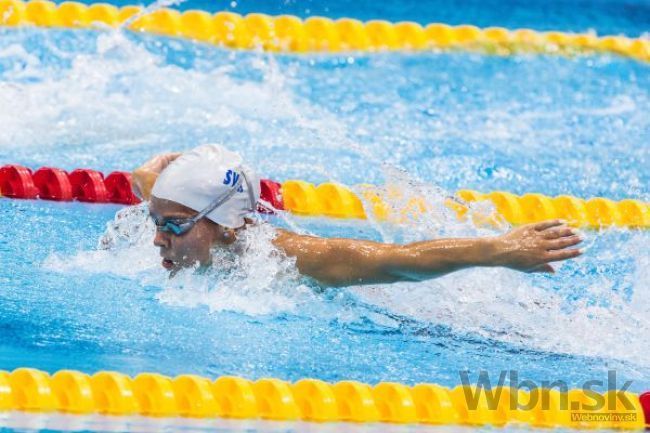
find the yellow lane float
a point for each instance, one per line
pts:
(287, 33)
(187, 395)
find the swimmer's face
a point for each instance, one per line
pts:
(189, 249)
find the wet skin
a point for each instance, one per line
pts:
(342, 262)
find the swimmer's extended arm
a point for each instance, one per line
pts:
(341, 262)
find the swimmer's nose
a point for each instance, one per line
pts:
(161, 239)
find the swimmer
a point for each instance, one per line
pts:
(202, 199)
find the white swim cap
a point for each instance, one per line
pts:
(200, 176)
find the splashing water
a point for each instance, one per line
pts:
(251, 277)
(157, 5)
(255, 278)
(424, 125)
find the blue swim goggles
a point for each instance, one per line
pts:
(180, 226)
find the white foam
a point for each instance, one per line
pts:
(579, 311)
(126, 248)
(121, 97)
(122, 91)
(590, 317)
(251, 277)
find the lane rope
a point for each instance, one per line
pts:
(339, 201)
(152, 394)
(286, 33)
(187, 395)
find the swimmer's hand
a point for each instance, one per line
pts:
(344, 262)
(145, 176)
(530, 248)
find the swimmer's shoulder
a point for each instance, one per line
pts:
(297, 246)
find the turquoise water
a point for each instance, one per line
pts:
(431, 123)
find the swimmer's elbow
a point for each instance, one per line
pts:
(345, 262)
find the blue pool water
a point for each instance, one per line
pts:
(432, 123)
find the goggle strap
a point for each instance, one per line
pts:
(249, 189)
(217, 202)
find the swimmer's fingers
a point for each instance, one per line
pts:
(144, 177)
(159, 162)
(558, 232)
(142, 183)
(564, 242)
(558, 255)
(169, 157)
(544, 225)
(162, 161)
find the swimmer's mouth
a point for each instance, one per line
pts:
(167, 264)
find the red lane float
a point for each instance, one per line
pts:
(270, 192)
(118, 185)
(16, 182)
(644, 399)
(90, 186)
(53, 184)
